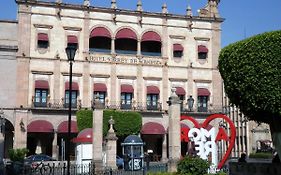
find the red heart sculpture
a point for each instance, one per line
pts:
(205, 125)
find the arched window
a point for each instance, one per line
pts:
(126, 42)
(100, 40)
(151, 44)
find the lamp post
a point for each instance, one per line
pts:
(70, 52)
(190, 102)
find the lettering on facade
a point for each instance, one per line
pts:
(118, 60)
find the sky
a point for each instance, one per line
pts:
(243, 18)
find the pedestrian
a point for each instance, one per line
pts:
(242, 159)
(275, 158)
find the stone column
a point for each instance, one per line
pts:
(97, 135)
(55, 145)
(111, 146)
(113, 82)
(164, 149)
(174, 131)
(139, 48)
(113, 46)
(165, 57)
(20, 139)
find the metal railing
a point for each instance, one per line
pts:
(83, 169)
(133, 106)
(56, 104)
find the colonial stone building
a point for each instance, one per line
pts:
(8, 64)
(129, 59)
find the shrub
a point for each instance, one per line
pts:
(122, 126)
(193, 166)
(17, 154)
(261, 155)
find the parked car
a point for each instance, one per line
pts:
(33, 160)
(119, 162)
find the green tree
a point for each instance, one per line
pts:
(251, 71)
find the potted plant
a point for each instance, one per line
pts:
(17, 159)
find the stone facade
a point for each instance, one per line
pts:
(54, 24)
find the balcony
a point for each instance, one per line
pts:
(55, 104)
(135, 106)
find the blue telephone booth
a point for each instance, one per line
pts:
(133, 156)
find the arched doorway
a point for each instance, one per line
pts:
(6, 138)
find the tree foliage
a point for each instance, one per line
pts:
(126, 123)
(251, 71)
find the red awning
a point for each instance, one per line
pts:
(72, 39)
(85, 136)
(63, 127)
(40, 126)
(75, 86)
(178, 47)
(151, 36)
(203, 92)
(180, 91)
(152, 90)
(43, 37)
(126, 34)
(41, 84)
(152, 128)
(202, 49)
(101, 32)
(127, 88)
(100, 87)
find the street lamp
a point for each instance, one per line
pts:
(70, 52)
(190, 102)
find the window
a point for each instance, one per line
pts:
(126, 100)
(151, 44)
(43, 41)
(101, 96)
(177, 51)
(202, 103)
(202, 52)
(181, 94)
(126, 42)
(182, 98)
(73, 99)
(40, 99)
(100, 40)
(152, 101)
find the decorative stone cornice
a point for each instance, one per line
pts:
(153, 78)
(43, 26)
(99, 76)
(126, 77)
(42, 72)
(72, 28)
(73, 74)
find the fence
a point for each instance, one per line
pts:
(85, 169)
